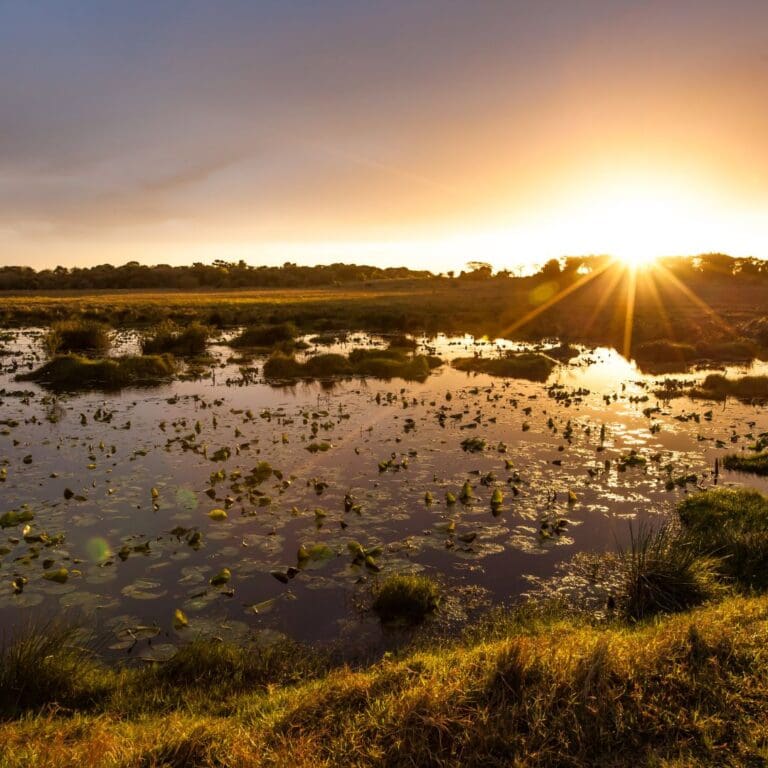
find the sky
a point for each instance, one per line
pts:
(420, 133)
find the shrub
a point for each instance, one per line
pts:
(406, 598)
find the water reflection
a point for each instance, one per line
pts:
(118, 488)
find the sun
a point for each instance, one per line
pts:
(637, 259)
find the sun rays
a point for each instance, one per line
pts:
(625, 278)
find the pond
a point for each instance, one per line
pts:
(246, 506)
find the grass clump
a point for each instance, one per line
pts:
(663, 573)
(406, 598)
(533, 366)
(386, 364)
(86, 336)
(74, 373)
(665, 351)
(718, 387)
(756, 464)
(265, 335)
(48, 666)
(732, 525)
(168, 338)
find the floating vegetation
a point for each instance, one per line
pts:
(533, 366)
(74, 373)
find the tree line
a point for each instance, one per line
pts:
(222, 275)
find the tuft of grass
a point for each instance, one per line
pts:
(171, 339)
(76, 335)
(265, 335)
(718, 387)
(406, 598)
(756, 464)
(662, 573)
(732, 525)
(72, 373)
(46, 666)
(533, 366)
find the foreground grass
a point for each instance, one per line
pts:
(688, 689)
(535, 686)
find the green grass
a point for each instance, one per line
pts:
(74, 373)
(756, 463)
(406, 598)
(170, 339)
(524, 365)
(732, 525)
(77, 335)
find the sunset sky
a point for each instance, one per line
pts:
(420, 133)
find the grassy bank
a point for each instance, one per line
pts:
(689, 689)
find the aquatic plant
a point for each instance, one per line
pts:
(718, 387)
(360, 362)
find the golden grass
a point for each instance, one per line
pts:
(691, 689)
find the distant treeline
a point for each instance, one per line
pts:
(218, 275)
(224, 275)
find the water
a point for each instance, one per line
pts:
(85, 466)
